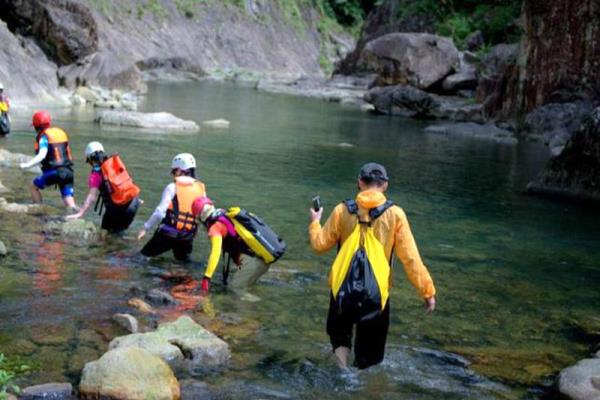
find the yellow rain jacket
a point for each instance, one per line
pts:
(391, 229)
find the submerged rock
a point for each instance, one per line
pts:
(141, 306)
(471, 129)
(76, 228)
(129, 373)
(180, 342)
(217, 123)
(159, 120)
(576, 171)
(53, 391)
(19, 208)
(129, 322)
(582, 380)
(3, 189)
(157, 296)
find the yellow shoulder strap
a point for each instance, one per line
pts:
(379, 264)
(342, 261)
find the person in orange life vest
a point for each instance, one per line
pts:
(178, 226)
(54, 154)
(222, 235)
(117, 218)
(391, 229)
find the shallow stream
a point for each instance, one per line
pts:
(516, 275)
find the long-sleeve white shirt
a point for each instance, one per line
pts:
(167, 197)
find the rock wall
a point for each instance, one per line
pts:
(112, 43)
(559, 57)
(576, 171)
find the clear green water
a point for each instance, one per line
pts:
(514, 273)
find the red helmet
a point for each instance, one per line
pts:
(199, 203)
(41, 119)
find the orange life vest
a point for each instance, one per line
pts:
(179, 215)
(119, 184)
(59, 152)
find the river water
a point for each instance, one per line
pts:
(516, 275)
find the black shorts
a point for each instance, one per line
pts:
(118, 218)
(371, 334)
(162, 242)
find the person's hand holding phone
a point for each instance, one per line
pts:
(316, 212)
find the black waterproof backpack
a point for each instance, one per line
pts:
(360, 273)
(4, 124)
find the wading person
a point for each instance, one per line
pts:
(239, 234)
(52, 151)
(178, 225)
(110, 183)
(4, 108)
(366, 230)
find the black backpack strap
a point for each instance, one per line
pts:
(376, 212)
(351, 206)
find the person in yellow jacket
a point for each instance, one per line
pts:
(178, 228)
(392, 231)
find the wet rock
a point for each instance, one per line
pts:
(313, 88)
(103, 68)
(181, 341)
(471, 129)
(12, 160)
(3, 189)
(90, 337)
(160, 120)
(474, 41)
(141, 306)
(582, 380)
(464, 78)
(50, 391)
(159, 297)
(217, 123)
(575, 172)
(129, 322)
(22, 347)
(3, 250)
(555, 123)
(87, 94)
(81, 356)
(19, 208)
(408, 101)
(77, 229)
(129, 373)
(418, 59)
(192, 390)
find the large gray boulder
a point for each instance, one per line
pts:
(408, 101)
(182, 342)
(156, 121)
(582, 380)
(555, 123)
(575, 172)
(418, 59)
(129, 373)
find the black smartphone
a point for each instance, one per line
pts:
(316, 203)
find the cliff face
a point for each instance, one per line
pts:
(559, 57)
(111, 43)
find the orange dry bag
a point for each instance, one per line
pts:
(119, 184)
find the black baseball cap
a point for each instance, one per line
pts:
(373, 172)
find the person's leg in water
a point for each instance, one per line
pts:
(157, 245)
(36, 194)
(371, 335)
(66, 191)
(339, 329)
(182, 249)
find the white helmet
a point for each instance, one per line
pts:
(92, 148)
(183, 161)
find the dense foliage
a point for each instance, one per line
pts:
(459, 18)
(9, 369)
